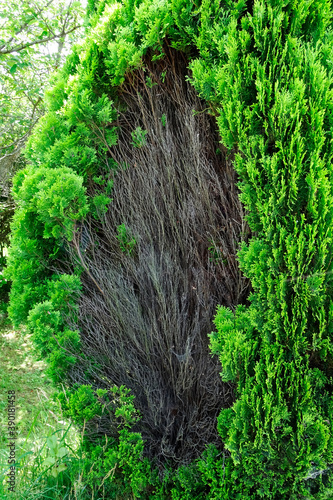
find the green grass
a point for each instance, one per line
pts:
(24, 374)
(45, 440)
(50, 463)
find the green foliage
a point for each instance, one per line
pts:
(33, 40)
(119, 464)
(136, 470)
(81, 139)
(126, 242)
(119, 468)
(149, 83)
(264, 87)
(239, 347)
(49, 202)
(266, 72)
(57, 197)
(139, 137)
(100, 203)
(81, 405)
(64, 292)
(55, 343)
(56, 453)
(109, 187)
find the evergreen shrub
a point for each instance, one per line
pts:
(134, 114)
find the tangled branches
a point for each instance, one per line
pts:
(176, 197)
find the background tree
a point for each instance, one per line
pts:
(34, 39)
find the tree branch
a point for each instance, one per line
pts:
(22, 27)
(23, 46)
(32, 124)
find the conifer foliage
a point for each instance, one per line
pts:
(94, 265)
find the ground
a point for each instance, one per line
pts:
(38, 417)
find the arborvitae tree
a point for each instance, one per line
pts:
(127, 232)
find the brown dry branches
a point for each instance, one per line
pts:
(178, 199)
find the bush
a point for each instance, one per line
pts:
(121, 115)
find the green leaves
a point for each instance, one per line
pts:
(82, 404)
(139, 137)
(100, 205)
(280, 130)
(27, 58)
(57, 196)
(49, 203)
(13, 69)
(126, 241)
(266, 74)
